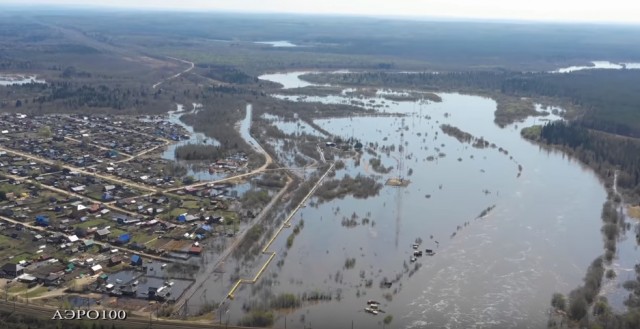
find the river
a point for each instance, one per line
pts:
(496, 271)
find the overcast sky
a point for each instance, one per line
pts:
(621, 11)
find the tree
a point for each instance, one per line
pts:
(45, 132)
(559, 302)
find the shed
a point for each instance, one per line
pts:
(96, 269)
(124, 238)
(42, 220)
(195, 250)
(136, 260)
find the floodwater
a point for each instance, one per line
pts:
(18, 80)
(498, 271)
(278, 44)
(599, 65)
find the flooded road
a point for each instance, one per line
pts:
(496, 271)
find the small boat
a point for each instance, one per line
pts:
(415, 246)
(417, 253)
(375, 306)
(430, 252)
(413, 259)
(372, 302)
(370, 310)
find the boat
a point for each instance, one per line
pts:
(372, 302)
(370, 310)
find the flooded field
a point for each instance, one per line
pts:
(499, 270)
(8, 80)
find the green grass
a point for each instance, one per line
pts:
(93, 223)
(17, 288)
(37, 291)
(191, 204)
(141, 237)
(176, 212)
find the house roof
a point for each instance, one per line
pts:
(10, 267)
(104, 231)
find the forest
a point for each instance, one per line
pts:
(603, 152)
(605, 100)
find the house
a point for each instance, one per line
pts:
(330, 144)
(27, 278)
(88, 244)
(124, 238)
(53, 279)
(42, 220)
(136, 260)
(94, 208)
(115, 260)
(73, 238)
(78, 189)
(102, 234)
(12, 270)
(129, 290)
(109, 188)
(95, 269)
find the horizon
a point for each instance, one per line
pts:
(210, 7)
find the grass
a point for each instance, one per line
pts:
(93, 223)
(141, 237)
(191, 204)
(173, 214)
(17, 288)
(634, 212)
(38, 291)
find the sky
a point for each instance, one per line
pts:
(610, 11)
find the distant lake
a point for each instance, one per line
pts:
(278, 44)
(8, 80)
(599, 65)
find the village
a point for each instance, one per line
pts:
(86, 208)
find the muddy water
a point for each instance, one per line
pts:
(494, 272)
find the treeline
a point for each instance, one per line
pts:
(199, 152)
(73, 95)
(609, 99)
(361, 187)
(604, 153)
(227, 74)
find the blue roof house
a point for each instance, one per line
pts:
(136, 260)
(42, 220)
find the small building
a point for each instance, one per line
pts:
(95, 269)
(124, 238)
(102, 234)
(195, 250)
(27, 278)
(136, 260)
(42, 220)
(53, 279)
(115, 260)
